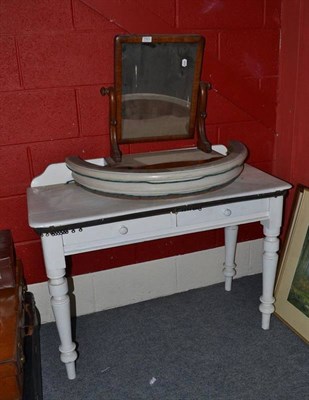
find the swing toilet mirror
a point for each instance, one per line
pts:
(157, 89)
(158, 96)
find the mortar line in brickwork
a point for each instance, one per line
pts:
(219, 46)
(29, 142)
(260, 83)
(73, 87)
(78, 113)
(177, 13)
(264, 13)
(20, 74)
(241, 121)
(268, 76)
(30, 162)
(72, 14)
(219, 134)
(110, 20)
(13, 196)
(23, 242)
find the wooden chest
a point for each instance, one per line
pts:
(32, 389)
(11, 338)
(7, 260)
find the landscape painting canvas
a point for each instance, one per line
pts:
(292, 287)
(299, 292)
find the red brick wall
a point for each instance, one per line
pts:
(56, 54)
(291, 160)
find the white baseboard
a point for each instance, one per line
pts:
(139, 282)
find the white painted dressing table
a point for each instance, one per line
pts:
(73, 220)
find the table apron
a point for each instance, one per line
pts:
(164, 225)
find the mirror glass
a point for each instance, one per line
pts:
(157, 82)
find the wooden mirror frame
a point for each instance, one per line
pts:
(199, 95)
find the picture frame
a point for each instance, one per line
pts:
(292, 287)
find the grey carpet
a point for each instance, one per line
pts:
(202, 344)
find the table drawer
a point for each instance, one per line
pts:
(225, 214)
(121, 232)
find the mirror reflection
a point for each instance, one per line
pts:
(157, 84)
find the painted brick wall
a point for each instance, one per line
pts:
(56, 54)
(291, 156)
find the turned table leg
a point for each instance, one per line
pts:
(270, 259)
(60, 301)
(230, 234)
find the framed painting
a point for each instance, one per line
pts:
(292, 288)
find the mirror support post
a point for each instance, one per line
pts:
(202, 142)
(116, 154)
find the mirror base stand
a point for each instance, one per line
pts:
(203, 143)
(116, 154)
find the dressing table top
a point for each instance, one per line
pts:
(54, 206)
